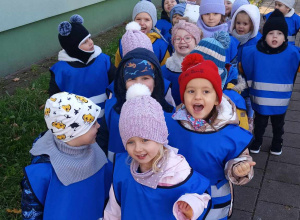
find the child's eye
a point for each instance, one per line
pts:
(129, 142)
(190, 91)
(206, 91)
(145, 140)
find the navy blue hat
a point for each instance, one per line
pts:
(120, 85)
(276, 21)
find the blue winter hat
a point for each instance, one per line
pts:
(237, 4)
(177, 9)
(212, 6)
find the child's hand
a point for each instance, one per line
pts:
(185, 209)
(243, 168)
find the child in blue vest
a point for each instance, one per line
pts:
(205, 130)
(82, 67)
(165, 23)
(69, 176)
(244, 27)
(144, 13)
(150, 180)
(270, 68)
(232, 83)
(185, 36)
(137, 66)
(291, 18)
(212, 19)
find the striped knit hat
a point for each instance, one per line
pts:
(214, 48)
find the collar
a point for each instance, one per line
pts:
(71, 164)
(173, 63)
(291, 13)
(63, 56)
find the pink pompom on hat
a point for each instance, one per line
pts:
(134, 38)
(142, 116)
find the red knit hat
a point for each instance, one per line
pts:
(194, 66)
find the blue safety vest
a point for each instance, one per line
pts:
(142, 202)
(90, 81)
(164, 26)
(208, 153)
(270, 78)
(173, 78)
(81, 200)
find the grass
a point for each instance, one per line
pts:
(21, 116)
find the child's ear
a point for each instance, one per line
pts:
(217, 102)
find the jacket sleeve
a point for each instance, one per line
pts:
(31, 207)
(103, 135)
(197, 202)
(53, 87)
(112, 210)
(245, 156)
(111, 73)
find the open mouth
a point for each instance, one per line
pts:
(274, 42)
(183, 47)
(198, 107)
(141, 156)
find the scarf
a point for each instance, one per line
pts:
(71, 164)
(209, 31)
(173, 63)
(241, 38)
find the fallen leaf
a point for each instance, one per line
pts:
(42, 107)
(17, 138)
(15, 211)
(16, 79)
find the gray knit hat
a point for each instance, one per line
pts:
(148, 7)
(288, 3)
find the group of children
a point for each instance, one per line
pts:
(175, 113)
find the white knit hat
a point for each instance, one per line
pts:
(288, 3)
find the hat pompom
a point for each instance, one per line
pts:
(64, 28)
(133, 26)
(191, 60)
(137, 90)
(76, 19)
(223, 37)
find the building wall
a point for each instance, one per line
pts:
(27, 44)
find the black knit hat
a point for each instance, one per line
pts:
(120, 85)
(276, 21)
(71, 34)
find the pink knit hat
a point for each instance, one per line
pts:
(142, 116)
(134, 38)
(191, 28)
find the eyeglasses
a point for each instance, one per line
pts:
(186, 39)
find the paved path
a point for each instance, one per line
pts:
(274, 193)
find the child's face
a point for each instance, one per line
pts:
(275, 38)
(212, 19)
(145, 21)
(176, 18)
(184, 42)
(228, 6)
(144, 151)
(87, 45)
(243, 24)
(169, 4)
(87, 138)
(282, 7)
(146, 80)
(200, 98)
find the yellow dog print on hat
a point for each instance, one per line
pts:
(67, 108)
(58, 125)
(81, 99)
(88, 118)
